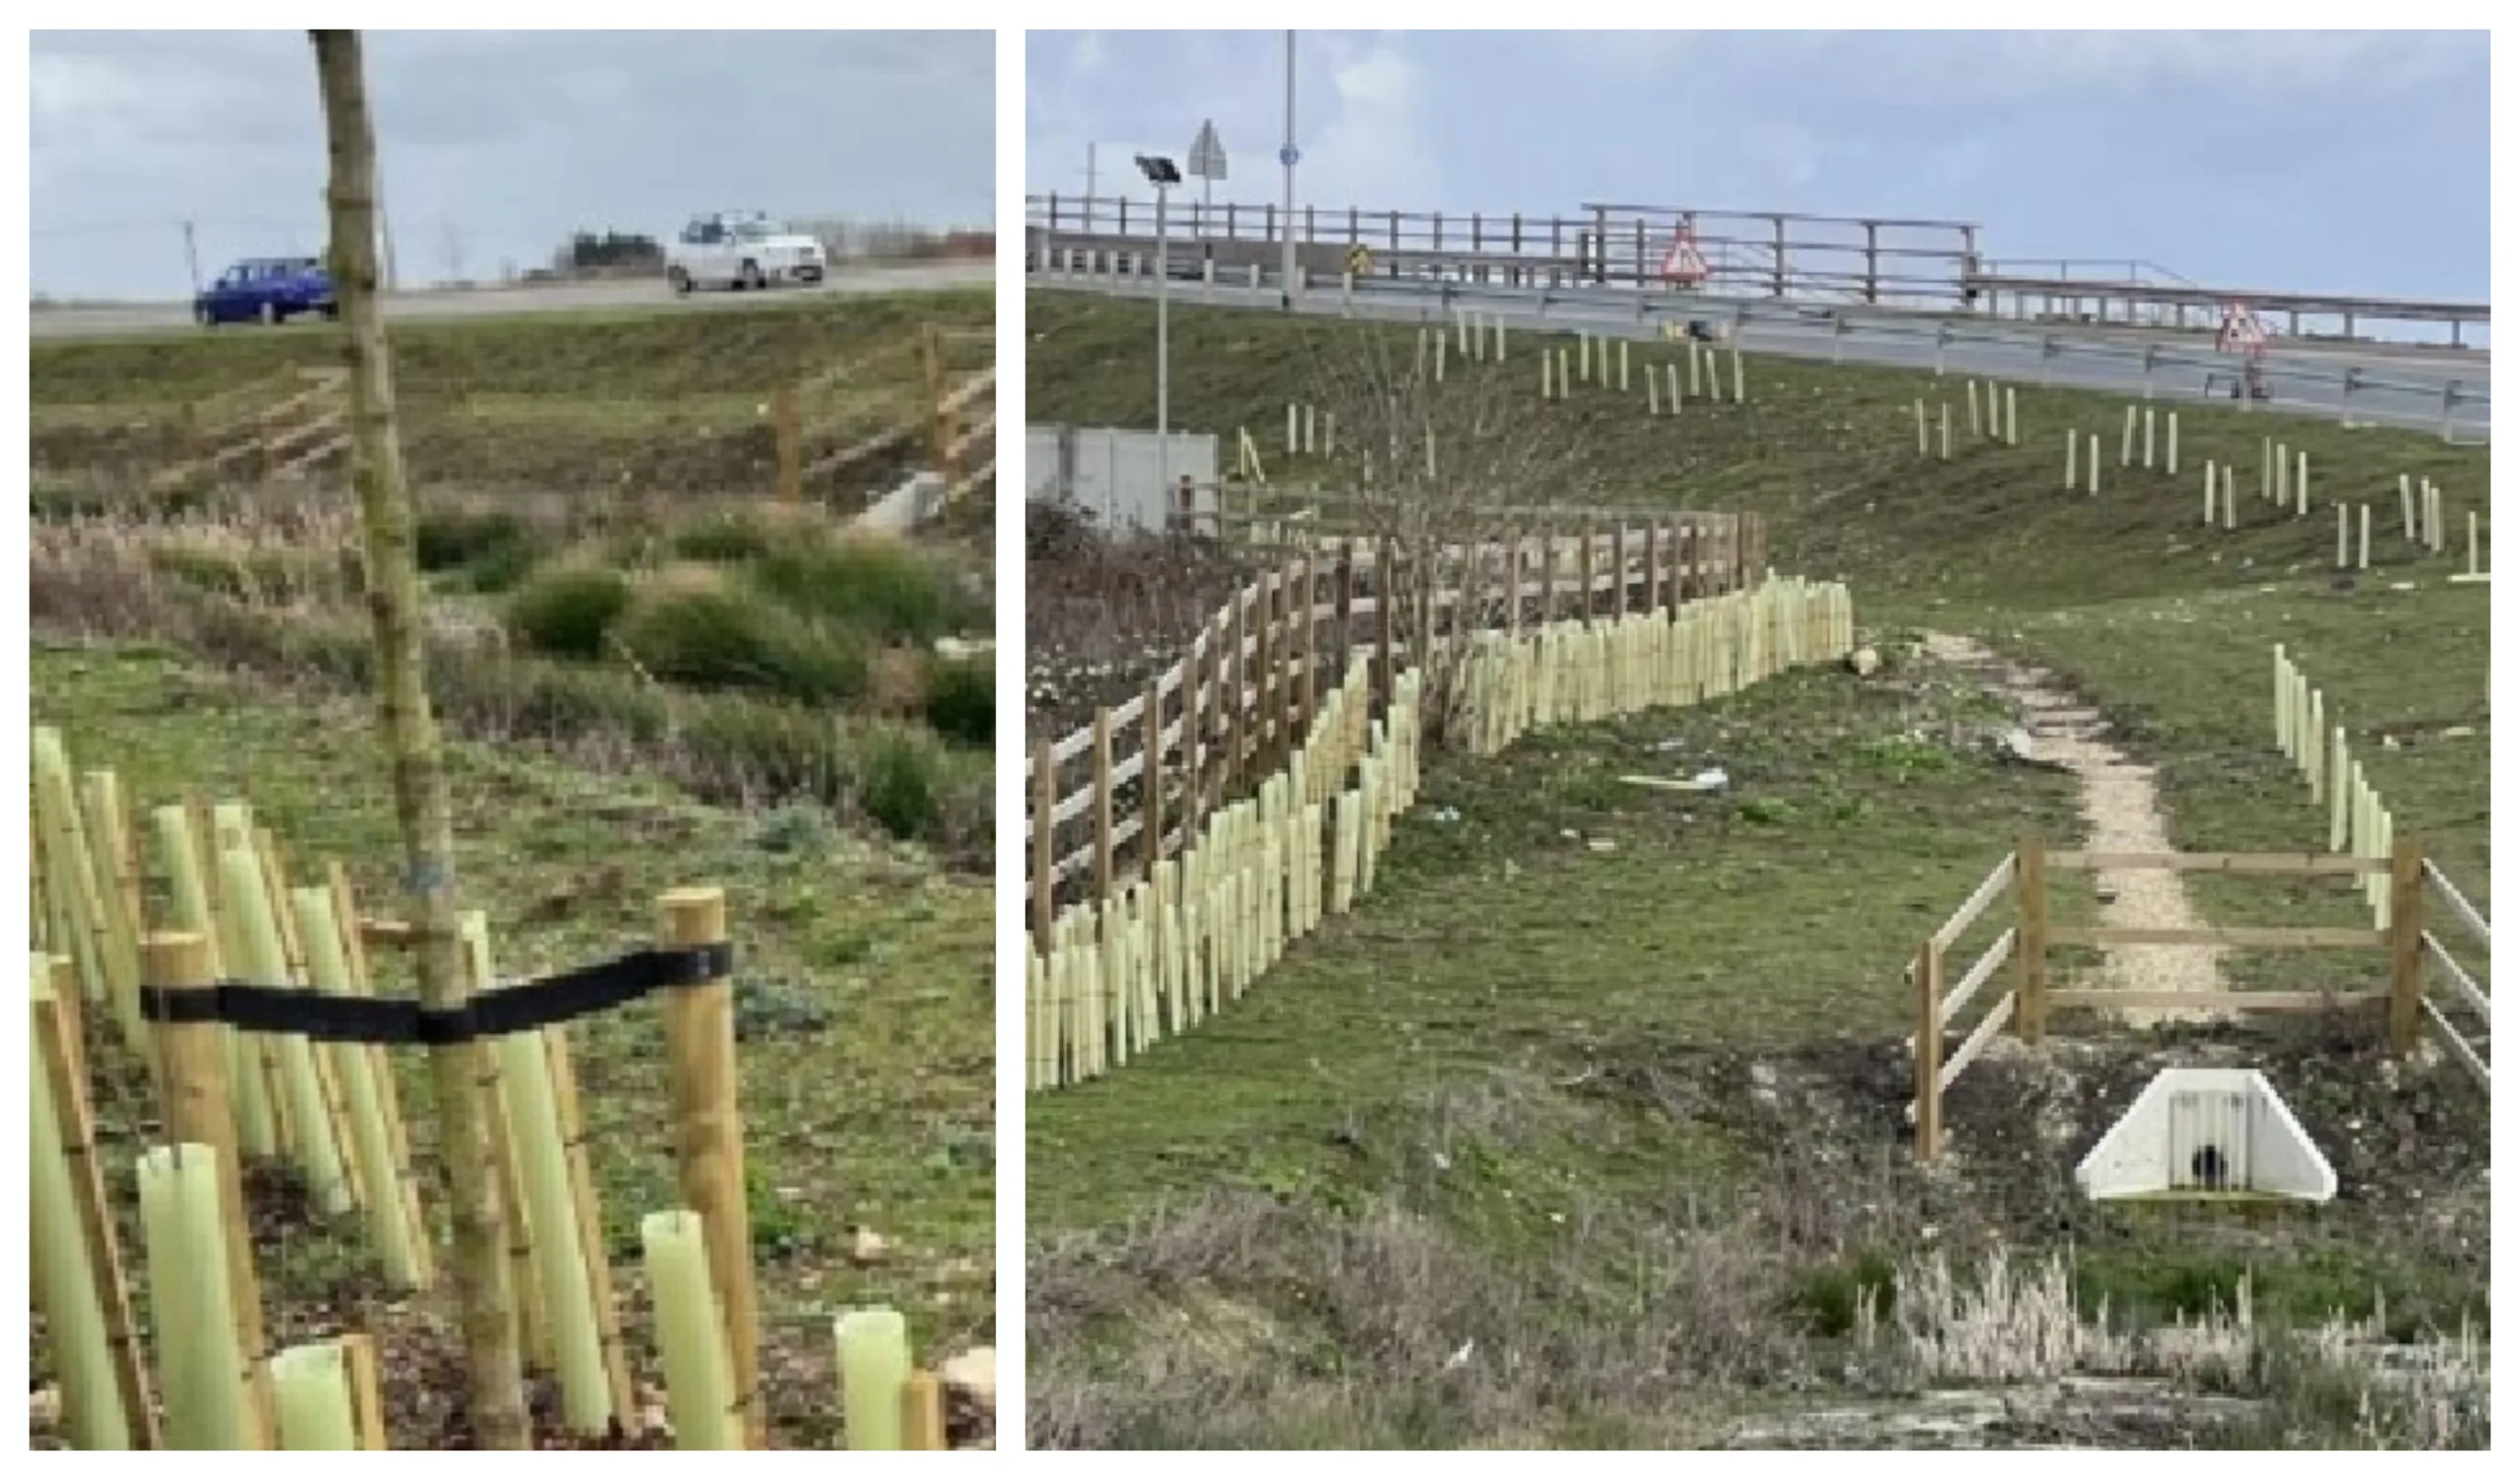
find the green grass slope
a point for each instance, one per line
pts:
(1585, 1128)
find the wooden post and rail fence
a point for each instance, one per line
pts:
(2413, 1013)
(953, 434)
(270, 429)
(1216, 820)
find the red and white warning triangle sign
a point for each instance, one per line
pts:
(2241, 333)
(1684, 263)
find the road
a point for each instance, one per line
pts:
(2446, 392)
(105, 319)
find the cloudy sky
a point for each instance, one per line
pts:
(495, 146)
(2343, 162)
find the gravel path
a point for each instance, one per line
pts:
(2122, 813)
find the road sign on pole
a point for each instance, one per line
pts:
(1684, 264)
(2241, 333)
(1206, 153)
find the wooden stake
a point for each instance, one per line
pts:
(193, 1063)
(55, 1041)
(1928, 1052)
(924, 1397)
(787, 428)
(700, 1064)
(367, 1390)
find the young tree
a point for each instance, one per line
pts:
(1450, 478)
(411, 735)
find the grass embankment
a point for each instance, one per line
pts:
(673, 398)
(1593, 1108)
(747, 650)
(860, 965)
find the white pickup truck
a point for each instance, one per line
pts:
(730, 251)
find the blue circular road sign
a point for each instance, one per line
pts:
(1289, 155)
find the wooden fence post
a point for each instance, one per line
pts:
(1514, 586)
(709, 1134)
(1386, 596)
(1308, 642)
(1584, 604)
(1045, 801)
(1272, 695)
(1618, 571)
(787, 428)
(1343, 583)
(1151, 782)
(1929, 1052)
(193, 1059)
(1234, 673)
(1653, 568)
(1424, 571)
(1102, 847)
(2030, 938)
(1547, 576)
(2406, 944)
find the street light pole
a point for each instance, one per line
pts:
(1163, 320)
(1162, 175)
(1287, 221)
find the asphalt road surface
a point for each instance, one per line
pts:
(556, 298)
(2406, 386)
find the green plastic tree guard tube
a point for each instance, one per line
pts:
(200, 1369)
(177, 850)
(264, 962)
(874, 1363)
(700, 1398)
(559, 1253)
(311, 1392)
(73, 881)
(65, 1278)
(388, 1212)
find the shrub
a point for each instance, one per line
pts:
(725, 537)
(884, 588)
(899, 782)
(501, 568)
(461, 539)
(719, 639)
(962, 701)
(568, 612)
(217, 571)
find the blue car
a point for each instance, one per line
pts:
(267, 290)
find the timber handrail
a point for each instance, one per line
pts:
(1987, 892)
(2407, 947)
(2462, 911)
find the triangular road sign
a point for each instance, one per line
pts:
(2241, 332)
(1206, 153)
(1684, 264)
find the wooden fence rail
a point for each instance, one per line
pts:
(1116, 796)
(1248, 790)
(2026, 1007)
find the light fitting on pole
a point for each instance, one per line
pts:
(1159, 171)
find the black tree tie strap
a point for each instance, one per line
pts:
(520, 1007)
